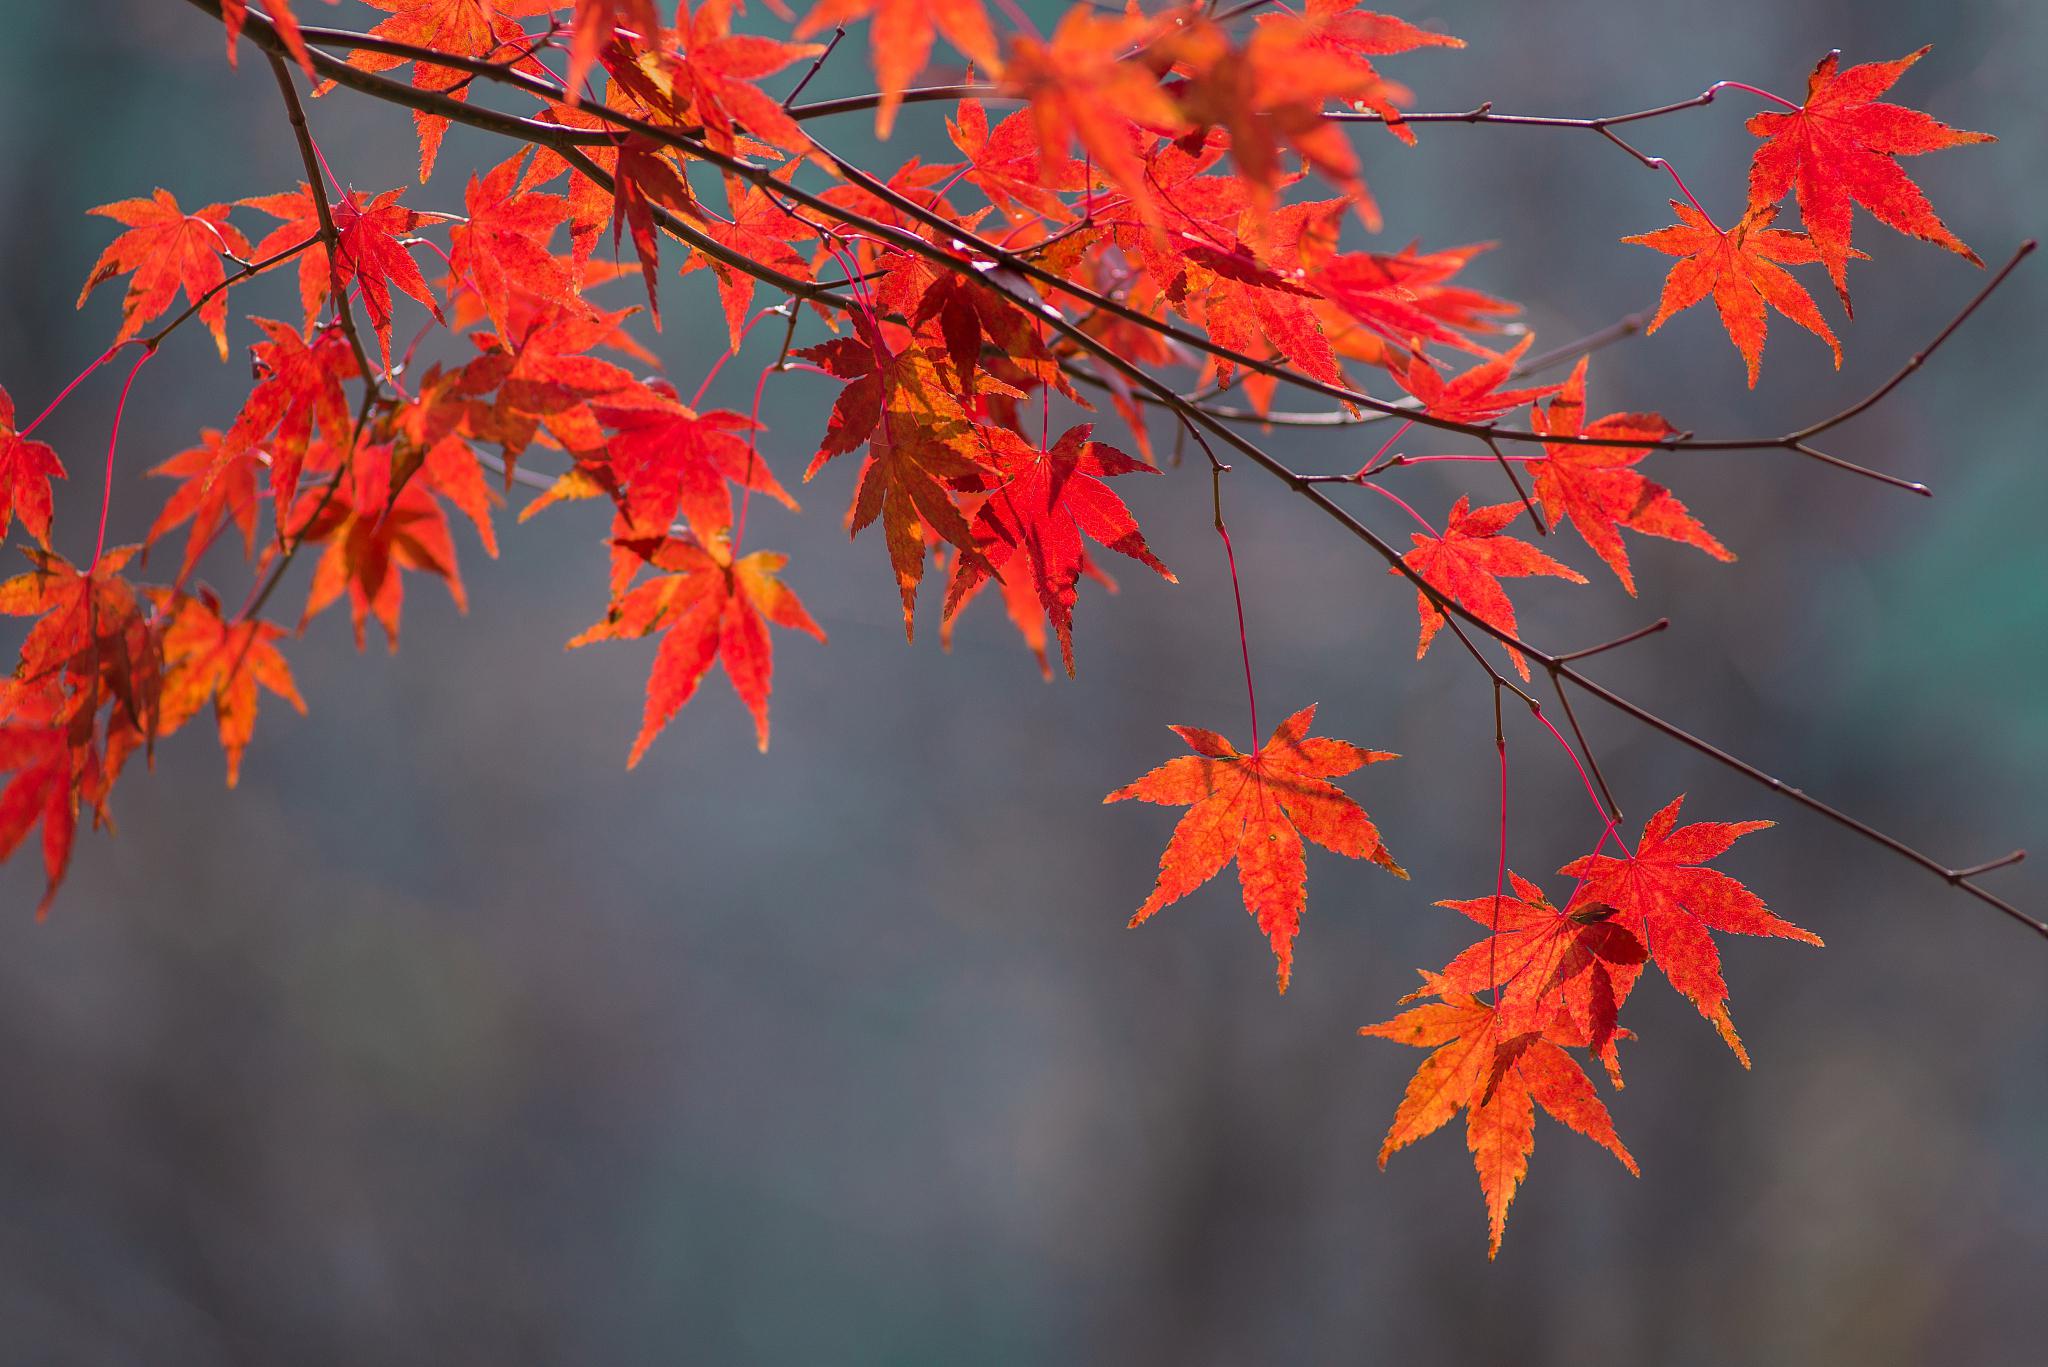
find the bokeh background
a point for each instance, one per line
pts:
(445, 1039)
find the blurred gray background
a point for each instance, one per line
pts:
(446, 1039)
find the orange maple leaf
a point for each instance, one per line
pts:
(503, 248)
(1498, 1080)
(208, 659)
(919, 441)
(1841, 148)
(1474, 395)
(482, 29)
(901, 40)
(1256, 809)
(1041, 504)
(215, 490)
(1466, 563)
(1597, 489)
(709, 610)
(1738, 267)
(167, 248)
(1082, 88)
(1661, 896)
(235, 13)
(1539, 962)
(26, 468)
(372, 533)
(595, 21)
(301, 387)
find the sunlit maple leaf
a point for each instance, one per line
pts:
(1340, 27)
(709, 610)
(1841, 148)
(1474, 395)
(1498, 1081)
(26, 468)
(38, 753)
(208, 659)
(1403, 297)
(503, 247)
(759, 229)
(1081, 88)
(1466, 563)
(478, 29)
(372, 534)
(1257, 809)
(235, 13)
(301, 387)
(373, 250)
(901, 40)
(716, 73)
(166, 249)
(543, 377)
(216, 492)
(1538, 962)
(1040, 505)
(1006, 163)
(643, 178)
(1739, 268)
(670, 459)
(595, 21)
(1021, 604)
(1597, 488)
(1669, 903)
(919, 441)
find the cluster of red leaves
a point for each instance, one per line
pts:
(1839, 149)
(1146, 177)
(1545, 981)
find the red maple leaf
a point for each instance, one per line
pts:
(901, 40)
(595, 22)
(759, 229)
(373, 250)
(216, 491)
(919, 439)
(235, 13)
(26, 468)
(1473, 396)
(1021, 605)
(48, 769)
(504, 246)
(1597, 488)
(478, 29)
(167, 248)
(1538, 962)
(669, 459)
(301, 386)
(1660, 895)
(1466, 564)
(371, 534)
(1257, 809)
(716, 74)
(1841, 148)
(1498, 1080)
(208, 659)
(1738, 267)
(1081, 88)
(1402, 297)
(1006, 163)
(1040, 505)
(709, 610)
